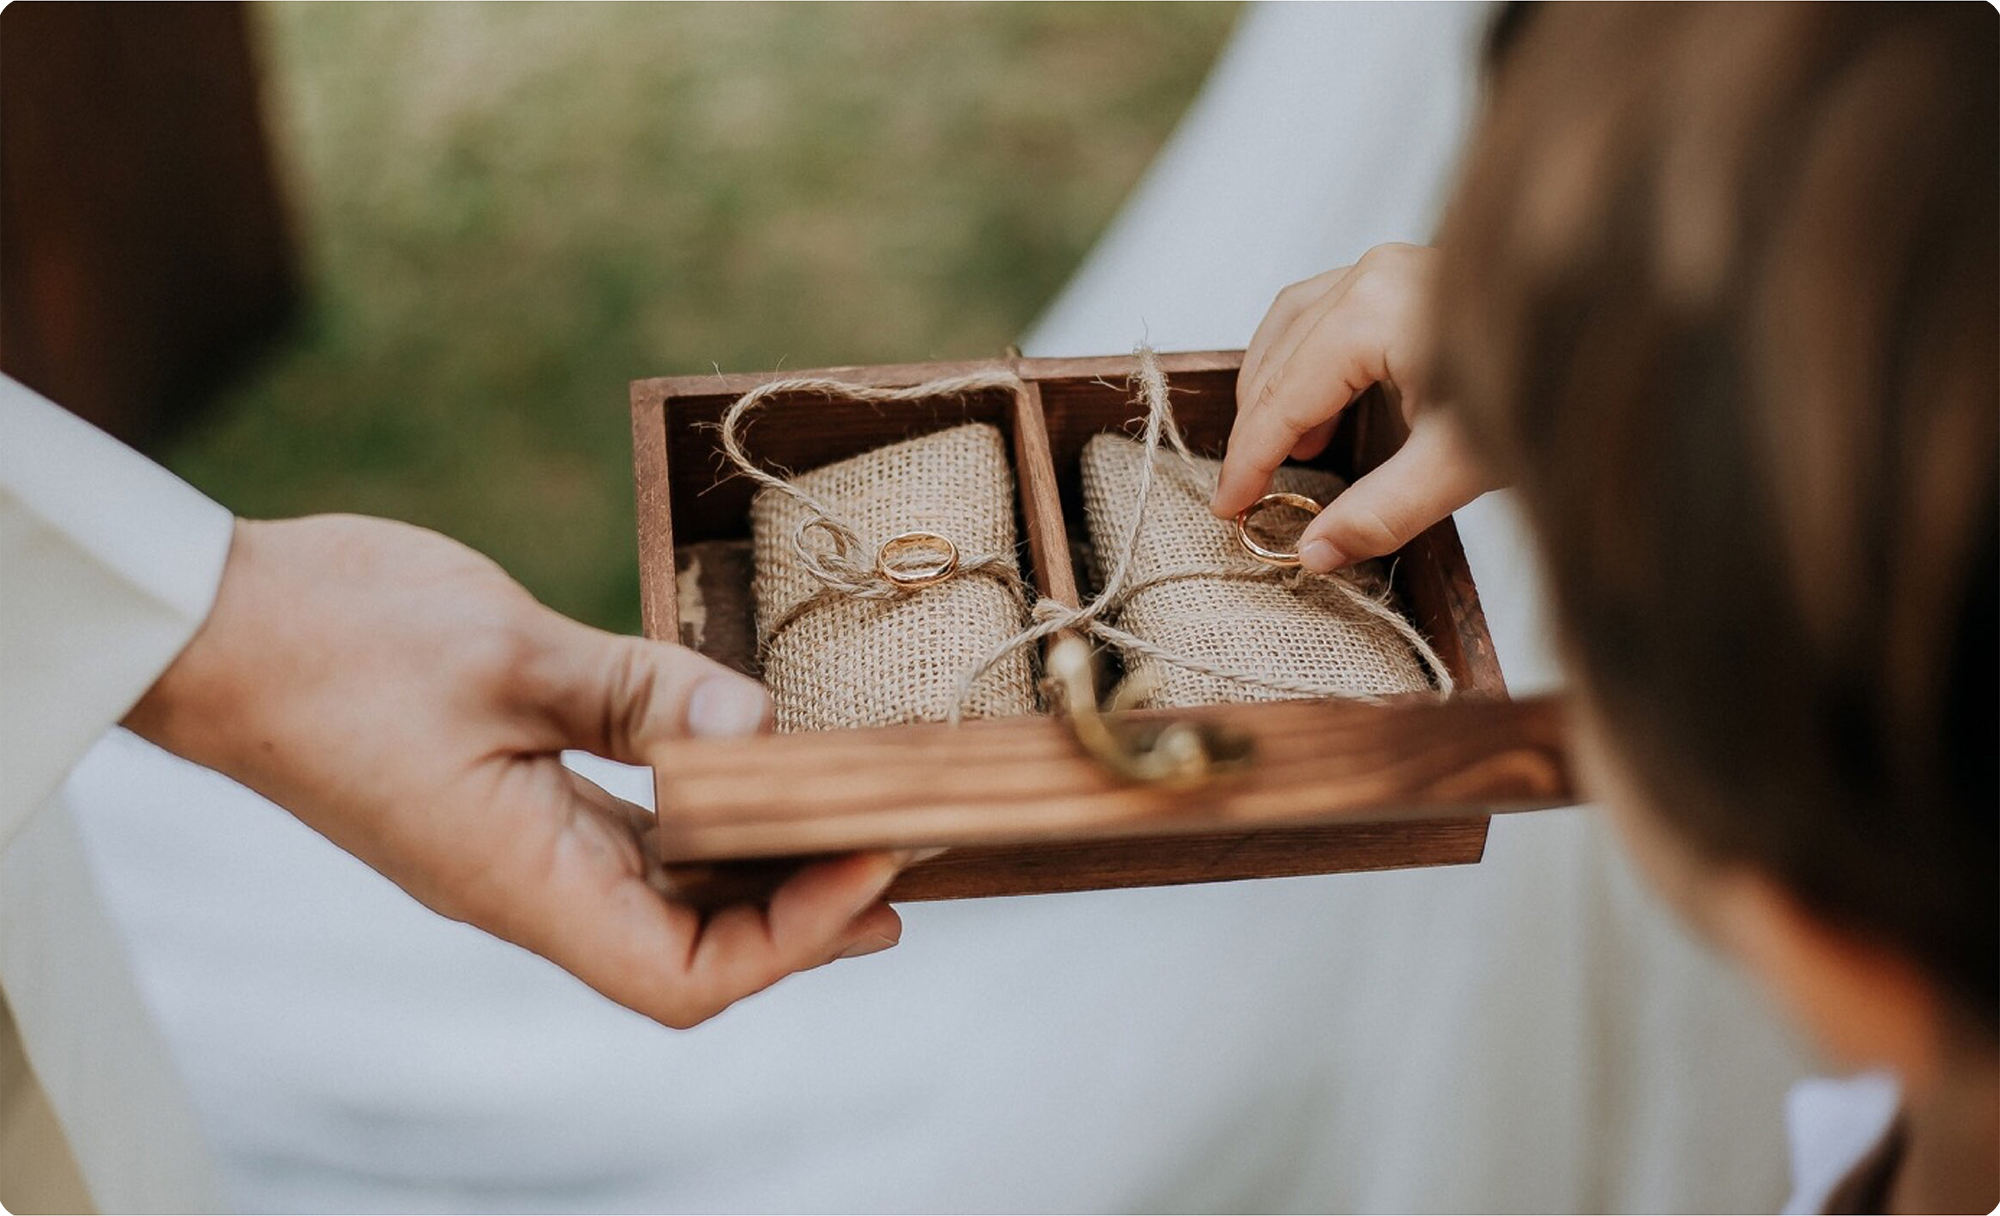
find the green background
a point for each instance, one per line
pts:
(509, 211)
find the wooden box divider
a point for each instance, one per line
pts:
(1334, 786)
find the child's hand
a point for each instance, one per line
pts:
(1324, 342)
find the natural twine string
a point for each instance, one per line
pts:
(841, 575)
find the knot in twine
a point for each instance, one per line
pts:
(830, 549)
(841, 574)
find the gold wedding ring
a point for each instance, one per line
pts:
(917, 559)
(1271, 557)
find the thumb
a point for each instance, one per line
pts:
(619, 697)
(1428, 478)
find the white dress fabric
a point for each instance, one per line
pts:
(1532, 1033)
(108, 565)
(1834, 1124)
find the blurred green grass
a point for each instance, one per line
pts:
(509, 211)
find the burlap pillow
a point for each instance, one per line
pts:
(1311, 633)
(850, 662)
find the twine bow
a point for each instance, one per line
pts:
(845, 565)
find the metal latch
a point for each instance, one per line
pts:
(1174, 753)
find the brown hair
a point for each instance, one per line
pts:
(1719, 297)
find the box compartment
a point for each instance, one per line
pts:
(1334, 785)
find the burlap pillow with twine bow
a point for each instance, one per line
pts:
(1298, 635)
(835, 660)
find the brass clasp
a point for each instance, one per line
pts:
(1174, 753)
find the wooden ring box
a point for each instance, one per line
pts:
(1333, 785)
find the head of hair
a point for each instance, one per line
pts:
(1718, 296)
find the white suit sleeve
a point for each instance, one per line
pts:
(108, 566)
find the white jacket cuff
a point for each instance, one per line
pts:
(108, 566)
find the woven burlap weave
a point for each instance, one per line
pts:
(846, 661)
(1297, 629)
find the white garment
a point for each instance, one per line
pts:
(1323, 130)
(1832, 1125)
(1531, 1033)
(108, 565)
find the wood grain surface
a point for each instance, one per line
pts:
(1025, 780)
(1091, 865)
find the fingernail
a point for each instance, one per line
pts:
(1321, 557)
(874, 943)
(905, 858)
(724, 707)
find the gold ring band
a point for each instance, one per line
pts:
(1271, 557)
(891, 563)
